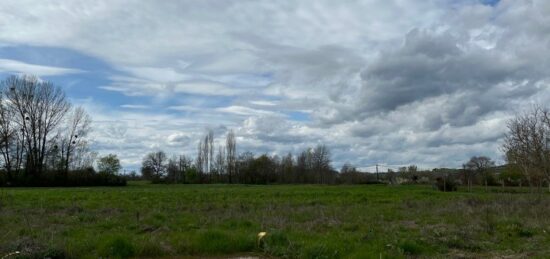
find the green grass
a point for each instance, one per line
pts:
(143, 220)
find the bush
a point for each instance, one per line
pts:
(218, 242)
(411, 248)
(84, 177)
(447, 184)
(117, 247)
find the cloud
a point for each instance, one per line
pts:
(244, 111)
(135, 106)
(14, 66)
(392, 82)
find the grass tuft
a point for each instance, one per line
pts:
(117, 247)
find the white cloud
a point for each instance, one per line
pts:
(135, 106)
(246, 111)
(399, 82)
(14, 66)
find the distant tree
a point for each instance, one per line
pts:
(72, 135)
(177, 167)
(220, 163)
(412, 172)
(231, 155)
(184, 164)
(468, 170)
(205, 154)
(83, 157)
(348, 168)
(210, 143)
(303, 169)
(109, 164)
(287, 168)
(172, 169)
(321, 164)
(391, 177)
(153, 166)
(244, 165)
(482, 166)
(199, 162)
(349, 174)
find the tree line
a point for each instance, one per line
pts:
(222, 164)
(43, 137)
(44, 141)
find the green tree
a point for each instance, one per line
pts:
(109, 164)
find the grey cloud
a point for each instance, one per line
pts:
(375, 88)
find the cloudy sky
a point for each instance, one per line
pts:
(392, 82)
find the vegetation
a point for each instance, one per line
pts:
(43, 142)
(43, 137)
(305, 221)
(527, 145)
(109, 164)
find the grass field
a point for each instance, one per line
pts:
(143, 220)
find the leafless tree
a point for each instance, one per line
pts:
(72, 135)
(321, 163)
(172, 169)
(481, 165)
(200, 159)
(210, 143)
(287, 164)
(184, 164)
(527, 144)
(231, 155)
(468, 170)
(11, 147)
(220, 161)
(39, 108)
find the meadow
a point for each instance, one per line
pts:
(301, 221)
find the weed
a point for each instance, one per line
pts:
(117, 247)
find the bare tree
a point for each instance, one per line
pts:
(467, 169)
(210, 142)
(481, 165)
(200, 159)
(172, 169)
(527, 144)
(231, 154)
(220, 161)
(287, 164)
(39, 108)
(11, 147)
(184, 164)
(321, 163)
(206, 158)
(72, 136)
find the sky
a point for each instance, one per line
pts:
(392, 82)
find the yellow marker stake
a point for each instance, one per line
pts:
(261, 235)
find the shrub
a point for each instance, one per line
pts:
(54, 253)
(116, 247)
(411, 248)
(446, 184)
(218, 242)
(84, 177)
